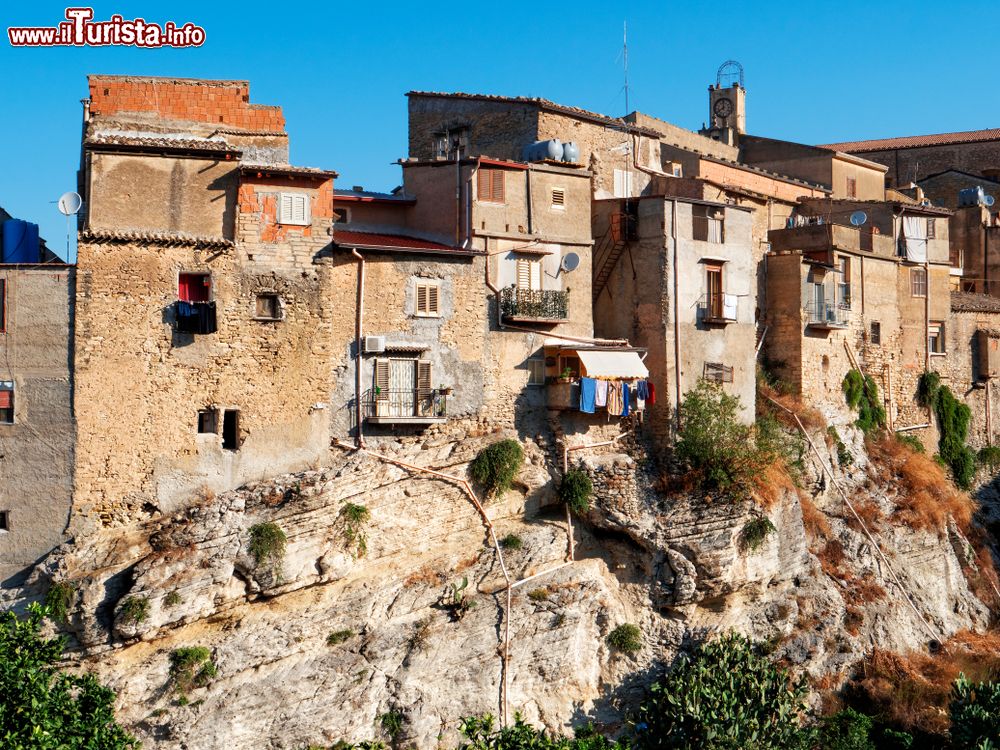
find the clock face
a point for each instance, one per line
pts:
(723, 107)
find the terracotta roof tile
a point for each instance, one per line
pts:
(156, 238)
(286, 169)
(915, 141)
(969, 302)
(401, 242)
(186, 144)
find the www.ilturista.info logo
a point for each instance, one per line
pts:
(79, 30)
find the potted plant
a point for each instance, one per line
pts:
(566, 376)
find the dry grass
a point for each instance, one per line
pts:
(926, 496)
(868, 512)
(912, 690)
(811, 419)
(770, 485)
(814, 520)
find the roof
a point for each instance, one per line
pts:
(973, 175)
(115, 141)
(168, 79)
(369, 196)
(396, 243)
(969, 302)
(765, 172)
(156, 238)
(545, 104)
(917, 141)
(285, 170)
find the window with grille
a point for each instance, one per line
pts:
(852, 187)
(6, 402)
(268, 306)
(935, 337)
(293, 208)
(536, 371)
(931, 229)
(918, 282)
(875, 336)
(490, 185)
(558, 198)
(716, 372)
(428, 299)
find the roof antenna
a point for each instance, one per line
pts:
(625, 60)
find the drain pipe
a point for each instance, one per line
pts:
(358, 320)
(677, 326)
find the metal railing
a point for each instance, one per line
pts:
(827, 314)
(844, 295)
(719, 307)
(541, 304)
(405, 404)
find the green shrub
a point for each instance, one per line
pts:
(364, 745)
(172, 599)
(267, 545)
(575, 490)
(726, 694)
(975, 714)
(354, 518)
(44, 708)
(457, 601)
(755, 532)
(191, 667)
(497, 465)
(58, 600)
(626, 638)
(392, 723)
(512, 542)
(989, 457)
(481, 733)
(861, 393)
(844, 457)
(953, 424)
(339, 636)
(910, 441)
(539, 594)
(134, 610)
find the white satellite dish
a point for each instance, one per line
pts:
(69, 203)
(989, 200)
(570, 262)
(858, 218)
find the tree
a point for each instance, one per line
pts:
(727, 695)
(481, 734)
(975, 714)
(43, 708)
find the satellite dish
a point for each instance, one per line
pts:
(858, 218)
(989, 200)
(570, 262)
(69, 203)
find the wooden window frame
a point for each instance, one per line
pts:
(279, 308)
(527, 264)
(701, 215)
(918, 282)
(715, 300)
(851, 187)
(431, 299)
(286, 216)
(491, 185)
(941, 338)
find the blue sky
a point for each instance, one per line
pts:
(815, 72)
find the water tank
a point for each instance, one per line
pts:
(571, 152)
(973, 196)
(542, 150)
(20, 242)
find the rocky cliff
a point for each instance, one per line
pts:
(352, 622)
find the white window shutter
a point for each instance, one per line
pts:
(523, 274)
(300, 209)
(536, 274)
(432, 299)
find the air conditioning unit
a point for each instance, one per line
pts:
(374, 344)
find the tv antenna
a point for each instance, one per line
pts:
(625, 60)
(69, 205)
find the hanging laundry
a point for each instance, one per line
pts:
(588, 393)
(651, 398)
(615, 397)
(601, 397)
(625, 397)
(641, 391)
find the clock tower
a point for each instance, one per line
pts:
(727, 118)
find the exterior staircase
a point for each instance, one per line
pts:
(609, 249)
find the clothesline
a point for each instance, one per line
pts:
(618, 396)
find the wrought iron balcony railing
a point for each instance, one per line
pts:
(827, 315)
(414, 406)
(534, 304)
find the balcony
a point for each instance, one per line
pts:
(410, 407)
(718, 308)
(534, 305)
(827, 316)
(825, 238)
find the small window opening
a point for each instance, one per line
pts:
(231, 430)
(268, 306)
(341, 216)
(4, 520)
(208, 421)
(536, 371)
(876, 333)
(6, 403)
(194, 287)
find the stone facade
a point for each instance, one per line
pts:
(37, 438)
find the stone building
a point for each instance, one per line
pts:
(36, 415)
(912, 158)
(204, 315)
(875, 296)
(946, 188)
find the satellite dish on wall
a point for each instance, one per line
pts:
(570, 262)
(858, 218)
(70, 203)
(989, 200)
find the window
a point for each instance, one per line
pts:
(844, 284)
(852, 187)
(935, 337)
(450, 143)
(208, 422)
(623, 183)
(194, 287)
(268, 306)
(875, 337)
(536, 371)
(341, 216)
(4, 520)
(558, 198)
(707, 224)
(529, 274)
(428, 299)
(918, 282)
(6, 402)
(3, 305)
(293, 208)
(931, 229)
(231, 430)
(716, 372)
(714, 297)
(490, 185)
(571, 363)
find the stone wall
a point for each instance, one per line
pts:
(908, 165)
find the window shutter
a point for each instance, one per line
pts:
(299, 209)
(498, 175)
(535, 268)
(523, 274)
(382, 379)
(284, 208)
(422, 305)
(423, 378)
(432, 299)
